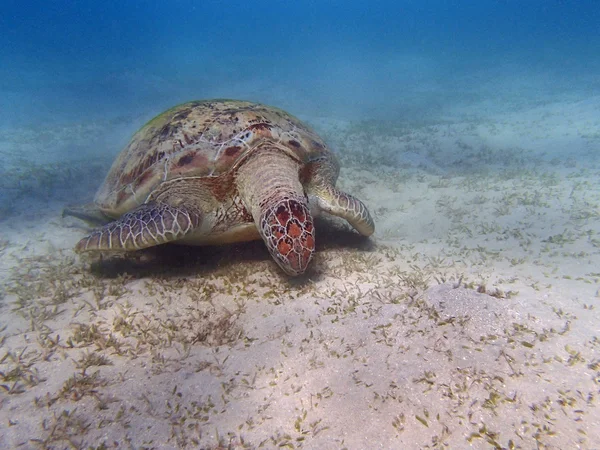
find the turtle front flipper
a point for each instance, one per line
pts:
(270, 188)
(321, 175)
(341, 204)
(148, 225)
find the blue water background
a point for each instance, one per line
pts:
(64, 61)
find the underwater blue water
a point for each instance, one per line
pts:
(470, 128)
(64, 60)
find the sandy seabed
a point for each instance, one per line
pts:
(470, 319)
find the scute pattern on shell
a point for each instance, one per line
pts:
(200, 139)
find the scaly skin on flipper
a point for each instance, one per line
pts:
(338, 203)
(270, 187)
(150, 224)
(320, 176)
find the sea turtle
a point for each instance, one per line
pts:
(220, 171)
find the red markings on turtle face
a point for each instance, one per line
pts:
(310, 242)
(283, 214)
(294, 230)
(290, 235)
(278, 232)
(285, 246)
(298, 211)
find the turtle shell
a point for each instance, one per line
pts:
(200, 139)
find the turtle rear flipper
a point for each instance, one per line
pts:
(146, 226)
(88, 212)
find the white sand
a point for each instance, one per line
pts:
(387, 343)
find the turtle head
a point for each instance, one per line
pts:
(269, 186)
(287, 229)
